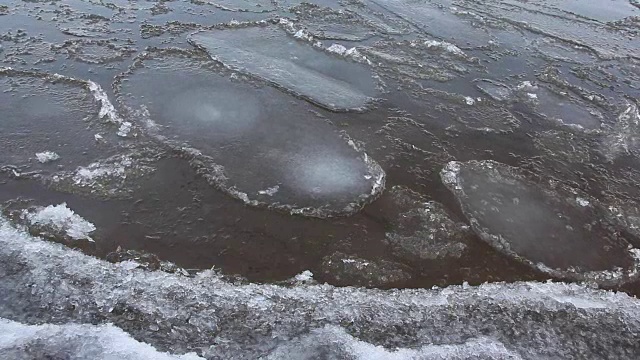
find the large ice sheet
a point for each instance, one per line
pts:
(558, 230)
(250, 140)
(268, 53)
(44, 282)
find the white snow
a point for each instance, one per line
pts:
(443, 45)
(107, 110)
(75, 341)
(270, 191)
(63, 219)
(47, 156)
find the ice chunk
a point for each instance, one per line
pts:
(445, 46)
(257, 6)
(61, 219)
(266, 52)
(561, 107)
(47, 156)
(622, 137)
(250, 140)
(546, 225)
(111, 177)
(75, 341)
(422, 230)
(496, 90)
(437, 21)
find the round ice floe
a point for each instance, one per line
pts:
(251, 140)
(51, 116)
(546, 225)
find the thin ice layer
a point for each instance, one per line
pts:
(74, 341)
(437, 21)
(558, 230)
(48, 112)
(226, 320)
(268, 53)
(252, 141)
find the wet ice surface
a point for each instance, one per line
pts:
(541, 223)
(234, 129)
(48, 121)
(267, 53)
(178, 131)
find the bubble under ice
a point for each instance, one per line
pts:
(74, 341)
(235, 128)
(553, 228)
(222, 320)
(268, 53)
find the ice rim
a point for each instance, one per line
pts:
(217, 318)
(214, 173)
(107, 111)
(607, 278)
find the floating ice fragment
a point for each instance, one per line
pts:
(47, 156)
(443, 45)
(337, 48)
(304, 277)
(421, 230)
(124, 129)
(270, 191)
(267, 53)
(551, 227)
(62, 219)
(232, 129)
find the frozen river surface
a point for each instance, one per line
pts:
(284, 179)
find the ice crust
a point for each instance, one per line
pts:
(74, 342)
(267, 53)
(223, 320)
